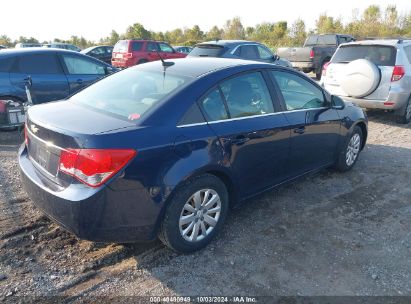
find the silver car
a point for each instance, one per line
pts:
(373, 74)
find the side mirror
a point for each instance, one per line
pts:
(275, 57)
(337, 103)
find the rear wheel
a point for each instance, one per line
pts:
(141, 61)
(406, 116)
(351, 150)
(195, 214)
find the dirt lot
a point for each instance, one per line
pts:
(328, 234)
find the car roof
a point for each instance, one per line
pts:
(33, 50)
(196, 67)
(227, 42)
(389, 42)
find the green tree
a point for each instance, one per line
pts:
(6, 41)
(234, 29)
(214, 33)
(137, 30)
(297, 32)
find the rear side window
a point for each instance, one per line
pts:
(121, 46)
(297, 92)
(247, 95)
(6, 64)
(130, 93)
(82, 66)
(164, 47)
(213, 106)
(378, 54)
(38, 64)
(407, 50)
(137, 46)
(192, 116)
(152, 47)
(248, 52)
(207, 51)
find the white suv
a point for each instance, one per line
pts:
(373, 74)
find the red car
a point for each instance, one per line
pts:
(127, 53)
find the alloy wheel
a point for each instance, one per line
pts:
(353, 149)
(200, 215)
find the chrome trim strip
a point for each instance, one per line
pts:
(248, 117)
(47, 143)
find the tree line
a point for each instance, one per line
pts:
(372, 22)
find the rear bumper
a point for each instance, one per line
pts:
(102, 215)
(123, 63)
(302, 65)
(395, 101)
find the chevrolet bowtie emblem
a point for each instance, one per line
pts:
(33, 128)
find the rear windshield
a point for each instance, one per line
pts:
(121, 46)
(130, 93)
(312, 40)
(207, 51)
(378, 54)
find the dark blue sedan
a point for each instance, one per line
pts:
(166, 149)
(53, 74)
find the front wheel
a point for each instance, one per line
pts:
(195, 214)
(352, 148)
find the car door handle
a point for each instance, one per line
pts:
(299, 130)
(240, 140)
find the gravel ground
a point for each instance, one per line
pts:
(327, 234)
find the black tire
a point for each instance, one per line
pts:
(170, 230)
(341, 164)
(141, 61)
(306, 71)
(318, 73)
(405, 117)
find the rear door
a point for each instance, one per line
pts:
(254, 136)
(47, 77)
(315, 126)
(167, 51)
(81, 71)
(153, 51)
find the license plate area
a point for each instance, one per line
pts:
(44, 156)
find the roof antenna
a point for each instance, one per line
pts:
(165, 64)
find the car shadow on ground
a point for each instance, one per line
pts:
(329, 233)
(384, 117)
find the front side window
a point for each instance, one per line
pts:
(297, 92)
(98, 51)
(81, 66)
(164, 47)
(247, 95)
(38, 64)
(152, 47)
(130, 93)
(264, 53)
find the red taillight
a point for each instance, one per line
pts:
(26, 137)
(397, 73)
(128, 55)
(325, 66)
(312, 53)
(3, 106)
(94, 167)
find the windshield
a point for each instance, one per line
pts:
(207, 51)
(121, 46)
(130, 93)
(378, 54)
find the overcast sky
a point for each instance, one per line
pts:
(48, 19)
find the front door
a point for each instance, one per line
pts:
(315, 126)
(255, 138)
